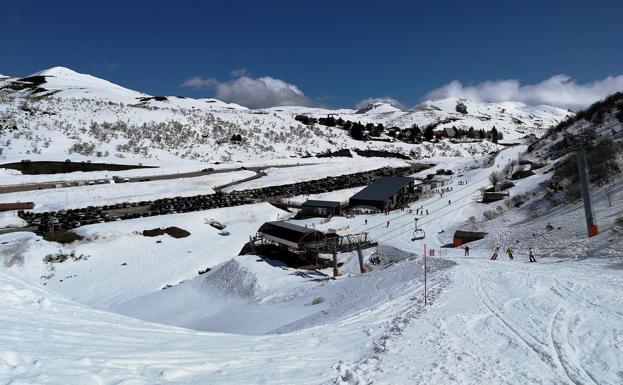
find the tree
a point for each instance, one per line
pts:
(470, 133)
(330, 121)
(428, 133)
(357, 131)
(494, 135)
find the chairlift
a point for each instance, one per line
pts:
(418, 233)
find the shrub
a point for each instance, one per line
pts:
(494, 178)
(61, 236)
(602, 168)
(491, 214)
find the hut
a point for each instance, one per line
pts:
(318, 208)
(494, 196)
(386, 193)
(16, 206)
(463, 236)
(449, 132)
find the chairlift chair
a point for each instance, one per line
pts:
(418, 233)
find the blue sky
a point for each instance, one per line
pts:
(335, 52)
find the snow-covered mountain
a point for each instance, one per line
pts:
(60, 113)
(100, 309)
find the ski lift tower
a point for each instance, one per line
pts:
(580, 154)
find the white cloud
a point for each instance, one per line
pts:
(261, 92)
(559, 90)
(366, 102)
(198, 83)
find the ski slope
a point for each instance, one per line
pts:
(558, 321)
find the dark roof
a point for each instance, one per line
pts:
(383, 188)
(288, 231)
(316, 203)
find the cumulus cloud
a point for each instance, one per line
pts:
(199, 83)
(387, 99)
(261, 92)
(559, 90)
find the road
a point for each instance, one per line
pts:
(52, 184)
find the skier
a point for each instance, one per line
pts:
(426, 211)
(466, 251)
(366, 222)
(495, 253)
(509, 251)
(531, 255)
(449, 202)
(387, 224)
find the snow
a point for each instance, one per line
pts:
(332, 167)
(127, 126)
(106, 194)
(10, 219)
(76, 85)
(336, 196)
(103, 317)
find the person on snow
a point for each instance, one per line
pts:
(366, 222)
(509, 251)
(466, 250)
(387, 224)
(531, 255)
(495, 253)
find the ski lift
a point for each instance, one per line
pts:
(418, 233)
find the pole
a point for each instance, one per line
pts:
(362, 268)
(586, 195)
(425, 292)
(336, 272)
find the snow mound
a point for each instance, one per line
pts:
(234, 280)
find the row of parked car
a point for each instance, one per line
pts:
(72, 218)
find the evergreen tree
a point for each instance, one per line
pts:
(428, 133)
(357, 131)
(494, 135)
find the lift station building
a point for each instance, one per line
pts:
(316, 208)
(386, 193)
(291, 236)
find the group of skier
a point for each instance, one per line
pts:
(509, 252)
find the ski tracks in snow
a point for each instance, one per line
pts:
(362, 371)
(559, 351)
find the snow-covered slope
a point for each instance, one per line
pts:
(75, 85)
(554, 322)
(62, 114)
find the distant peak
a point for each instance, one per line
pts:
(377, 107)
(57, 71)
